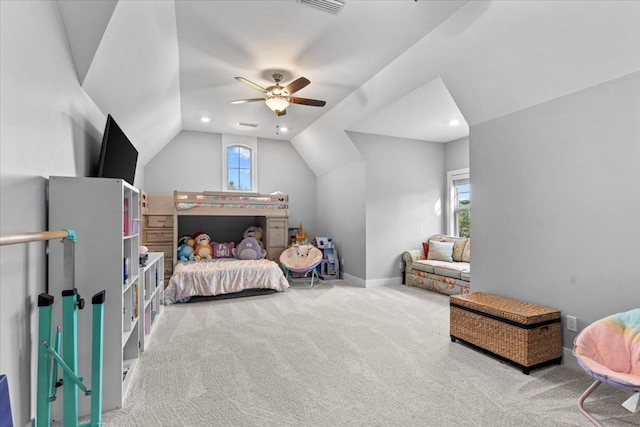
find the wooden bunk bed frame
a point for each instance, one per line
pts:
(224, 203)
(271, 209)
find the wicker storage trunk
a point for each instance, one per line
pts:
(524, 333)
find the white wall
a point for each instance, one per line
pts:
(456, 154)
(192, 161)
(555, 202)
(48, 126)
(280, 168)
(405, 183)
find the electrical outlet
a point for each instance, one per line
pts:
(342, 261)
(572, 323)
(400, 265)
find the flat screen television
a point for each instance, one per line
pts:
(118, 156)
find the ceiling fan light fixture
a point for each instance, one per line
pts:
(277, 103)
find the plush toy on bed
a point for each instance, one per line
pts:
(255, 232)
(186, 248)
(203, 248)
(249, 248)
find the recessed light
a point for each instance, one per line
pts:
(205, 119)
(284, 129)
(454, 122)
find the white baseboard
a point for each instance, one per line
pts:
(371, 283)
(384, 282)
(354, 280)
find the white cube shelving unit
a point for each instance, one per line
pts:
(104, 213)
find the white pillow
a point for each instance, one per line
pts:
(440, 251)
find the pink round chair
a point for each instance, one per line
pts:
(302, 260)
(609, 351)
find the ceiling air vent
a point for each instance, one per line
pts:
(332, 6)
(247, 125)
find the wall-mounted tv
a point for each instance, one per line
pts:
(118, 156)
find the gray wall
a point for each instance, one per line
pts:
(192, 161)
(456, 154)
(341, 215)
(404, 200)
(556, 206)
(48, 126)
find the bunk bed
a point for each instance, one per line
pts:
(223, 277)
(218, 203)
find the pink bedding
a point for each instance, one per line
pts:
(222, 276)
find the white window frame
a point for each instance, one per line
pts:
(453, 176)
(250, 143)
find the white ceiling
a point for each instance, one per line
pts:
(398, 67)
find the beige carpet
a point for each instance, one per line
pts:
(339, 355)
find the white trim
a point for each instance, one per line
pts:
(451, 176)
(389, 281)
(376, 283)
(249, 142)
(354, 280)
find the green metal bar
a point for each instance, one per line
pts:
(70, 353)
(45, 318)
(75, 378)
(54, 371)
(97, 357)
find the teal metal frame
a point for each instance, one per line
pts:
(50, 358)
(303, 274)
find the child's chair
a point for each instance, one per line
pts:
(302, 260)
(609, 351)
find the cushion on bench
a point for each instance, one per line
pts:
(443, 268)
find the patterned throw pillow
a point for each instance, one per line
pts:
(466, 253)
(440, 251)
(223, 250)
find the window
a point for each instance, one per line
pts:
(459, 203)
(239, 160)
(239, 176)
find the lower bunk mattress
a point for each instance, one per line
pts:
(205, 278)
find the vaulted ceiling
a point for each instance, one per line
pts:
(399, 67)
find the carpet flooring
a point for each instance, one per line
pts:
(340, 355)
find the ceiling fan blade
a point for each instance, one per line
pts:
(281, 112)
(251, 84)
(244, 101)
(307, 101)
(296, 85)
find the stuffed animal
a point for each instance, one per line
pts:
(203, 248)
(255, 232)
(186, 248)
(249, 248)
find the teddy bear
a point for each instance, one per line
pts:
(203, 248)
(186, 248)
(255, 232)
(249, 248)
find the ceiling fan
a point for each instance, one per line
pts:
(279, 97)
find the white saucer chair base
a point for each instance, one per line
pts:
(302, 260)
(598, 349)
